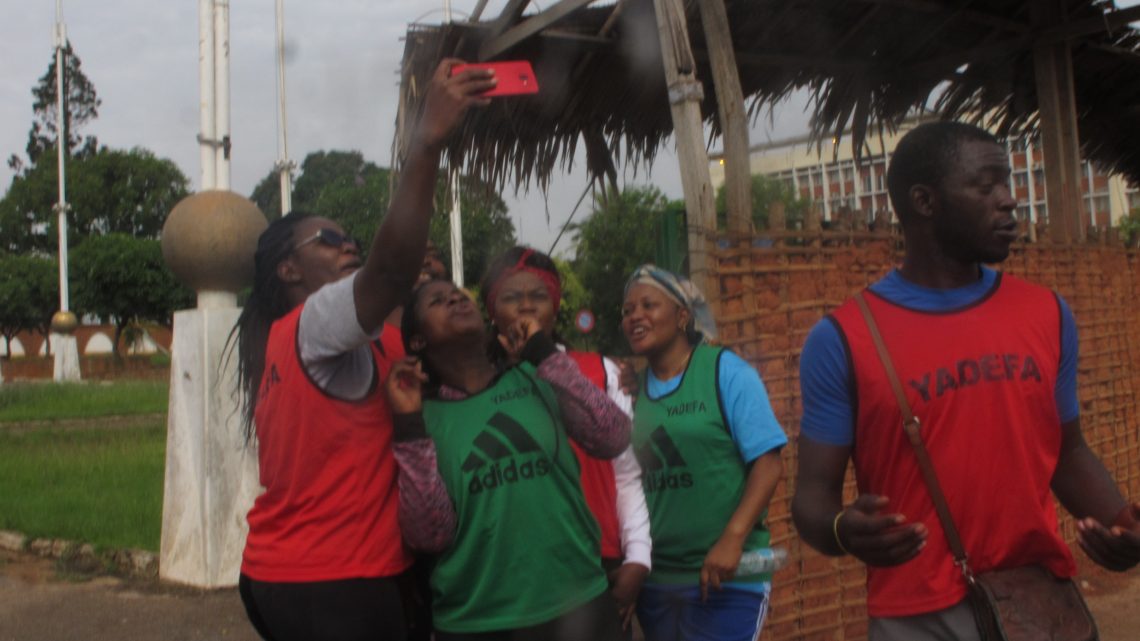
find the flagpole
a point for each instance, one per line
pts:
(284, 165)
(456, 217)
(63, 322)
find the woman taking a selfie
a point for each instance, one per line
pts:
(323, 555)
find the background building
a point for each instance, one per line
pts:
(830, 177)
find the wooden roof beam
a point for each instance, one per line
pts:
(1109, 22)
(1068, 31)
(510, 15)
(973, 15)
(855, 28)
(477, 12)
(757, 59)
(961, 57)
(1127, 54)
(501, 41)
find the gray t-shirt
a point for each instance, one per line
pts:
(334, 349)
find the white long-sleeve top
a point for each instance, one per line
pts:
(633, 514)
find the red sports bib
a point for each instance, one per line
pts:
(981, 381)
(329, 507)
(597, 475)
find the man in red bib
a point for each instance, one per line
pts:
(988, 364)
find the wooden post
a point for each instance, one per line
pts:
(1057, 111)
(733, 120)
(685, 95)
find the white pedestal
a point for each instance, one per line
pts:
(66, 350)
(211, 473)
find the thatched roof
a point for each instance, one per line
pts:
(866, 63)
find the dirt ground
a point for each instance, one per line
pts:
(40, 600)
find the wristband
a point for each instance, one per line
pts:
(835, 531)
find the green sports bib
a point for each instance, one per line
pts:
(527, 548)
(692, 472)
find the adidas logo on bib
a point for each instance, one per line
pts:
(503, 438)
(660, 458)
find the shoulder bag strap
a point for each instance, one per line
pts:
(911, 425)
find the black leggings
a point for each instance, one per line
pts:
(597, 620)
(346, 610)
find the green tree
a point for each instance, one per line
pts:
(765, 191)
(485, 224)
(111, 191)
(574, 298)
(29, 295)
(343, 186)
(1130, 228)
(618, 236)
(125, 281)
(80, 106)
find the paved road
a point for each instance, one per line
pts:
(38, 605)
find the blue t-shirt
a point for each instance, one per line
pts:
(749, 415)
(825, 380)
(748, 412)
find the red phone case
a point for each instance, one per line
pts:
(516, 77)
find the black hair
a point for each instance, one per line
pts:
(410, 327)
(925, 156)
(268, 301)
(497, 270)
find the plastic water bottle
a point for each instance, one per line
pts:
(762, 561)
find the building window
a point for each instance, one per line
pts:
(1021, 179)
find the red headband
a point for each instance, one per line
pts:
(553, 286)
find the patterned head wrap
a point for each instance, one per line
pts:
(681, 291)
(551, 281)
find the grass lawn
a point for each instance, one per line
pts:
(99, 486)
(50, 401)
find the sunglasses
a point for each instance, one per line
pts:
(330, 238)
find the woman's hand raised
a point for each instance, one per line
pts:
(515, 336)
(405, 386)
(448, 99)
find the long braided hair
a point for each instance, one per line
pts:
(267, 303)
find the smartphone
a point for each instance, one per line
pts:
(516, 77)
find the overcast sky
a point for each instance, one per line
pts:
(142, 56)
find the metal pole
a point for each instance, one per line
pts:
(63, 322)
(456, 232)
(222, 92)
(206, 93)
(284, 164)
(456, 212)
(61, 143)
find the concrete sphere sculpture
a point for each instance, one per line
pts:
(209, 240)
(64, 322)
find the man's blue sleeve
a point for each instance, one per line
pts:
(747, 409)
(825, 387)
(1066, 387)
